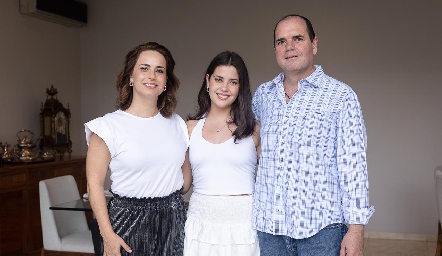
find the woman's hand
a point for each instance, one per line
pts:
(112, 245)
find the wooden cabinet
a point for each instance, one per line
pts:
(20, 223)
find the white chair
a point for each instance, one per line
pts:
(63, 231)
(438, 181)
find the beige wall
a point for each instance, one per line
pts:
(34, 54)
(389, 53)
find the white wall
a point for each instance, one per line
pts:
(389, 53)
(35, 54)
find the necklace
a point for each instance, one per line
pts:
(220, 128)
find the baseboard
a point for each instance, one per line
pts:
(401, 236)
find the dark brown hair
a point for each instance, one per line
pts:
(241, 110)
(167, 101)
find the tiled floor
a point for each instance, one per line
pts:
(386, 247)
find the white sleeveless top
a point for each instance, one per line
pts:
(227, 168)
(146, 153)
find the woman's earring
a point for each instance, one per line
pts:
(164, 88)
(131, 83)
(207, 88)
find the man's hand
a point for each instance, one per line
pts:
(353, 242)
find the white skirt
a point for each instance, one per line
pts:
(220, 226)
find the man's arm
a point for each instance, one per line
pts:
(353, 176)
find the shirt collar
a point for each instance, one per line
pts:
(312, 80)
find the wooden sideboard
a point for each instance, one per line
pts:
(20, 222)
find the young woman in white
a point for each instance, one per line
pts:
(221, 161)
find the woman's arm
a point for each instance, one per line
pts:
(187, 168)
(257, 139)
(97, 164)
(187, 174)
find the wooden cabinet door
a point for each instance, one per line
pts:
(12, 222)
(33, 232)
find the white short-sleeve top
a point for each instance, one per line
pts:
(146, 153)
(227, 168)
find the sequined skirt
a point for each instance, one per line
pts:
(150, 226)
(220, 226)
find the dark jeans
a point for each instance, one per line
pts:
(327, 242)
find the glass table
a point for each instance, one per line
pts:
(76, 205)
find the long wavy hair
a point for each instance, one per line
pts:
(241, 110)
(167, 101)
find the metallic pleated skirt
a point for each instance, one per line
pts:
(150, 226)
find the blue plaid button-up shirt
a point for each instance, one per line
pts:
(312, 169)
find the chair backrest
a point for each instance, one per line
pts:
(58, 223)
(438, 181)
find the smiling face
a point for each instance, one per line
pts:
(293, 48)
(149, 75)
(223, 86)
